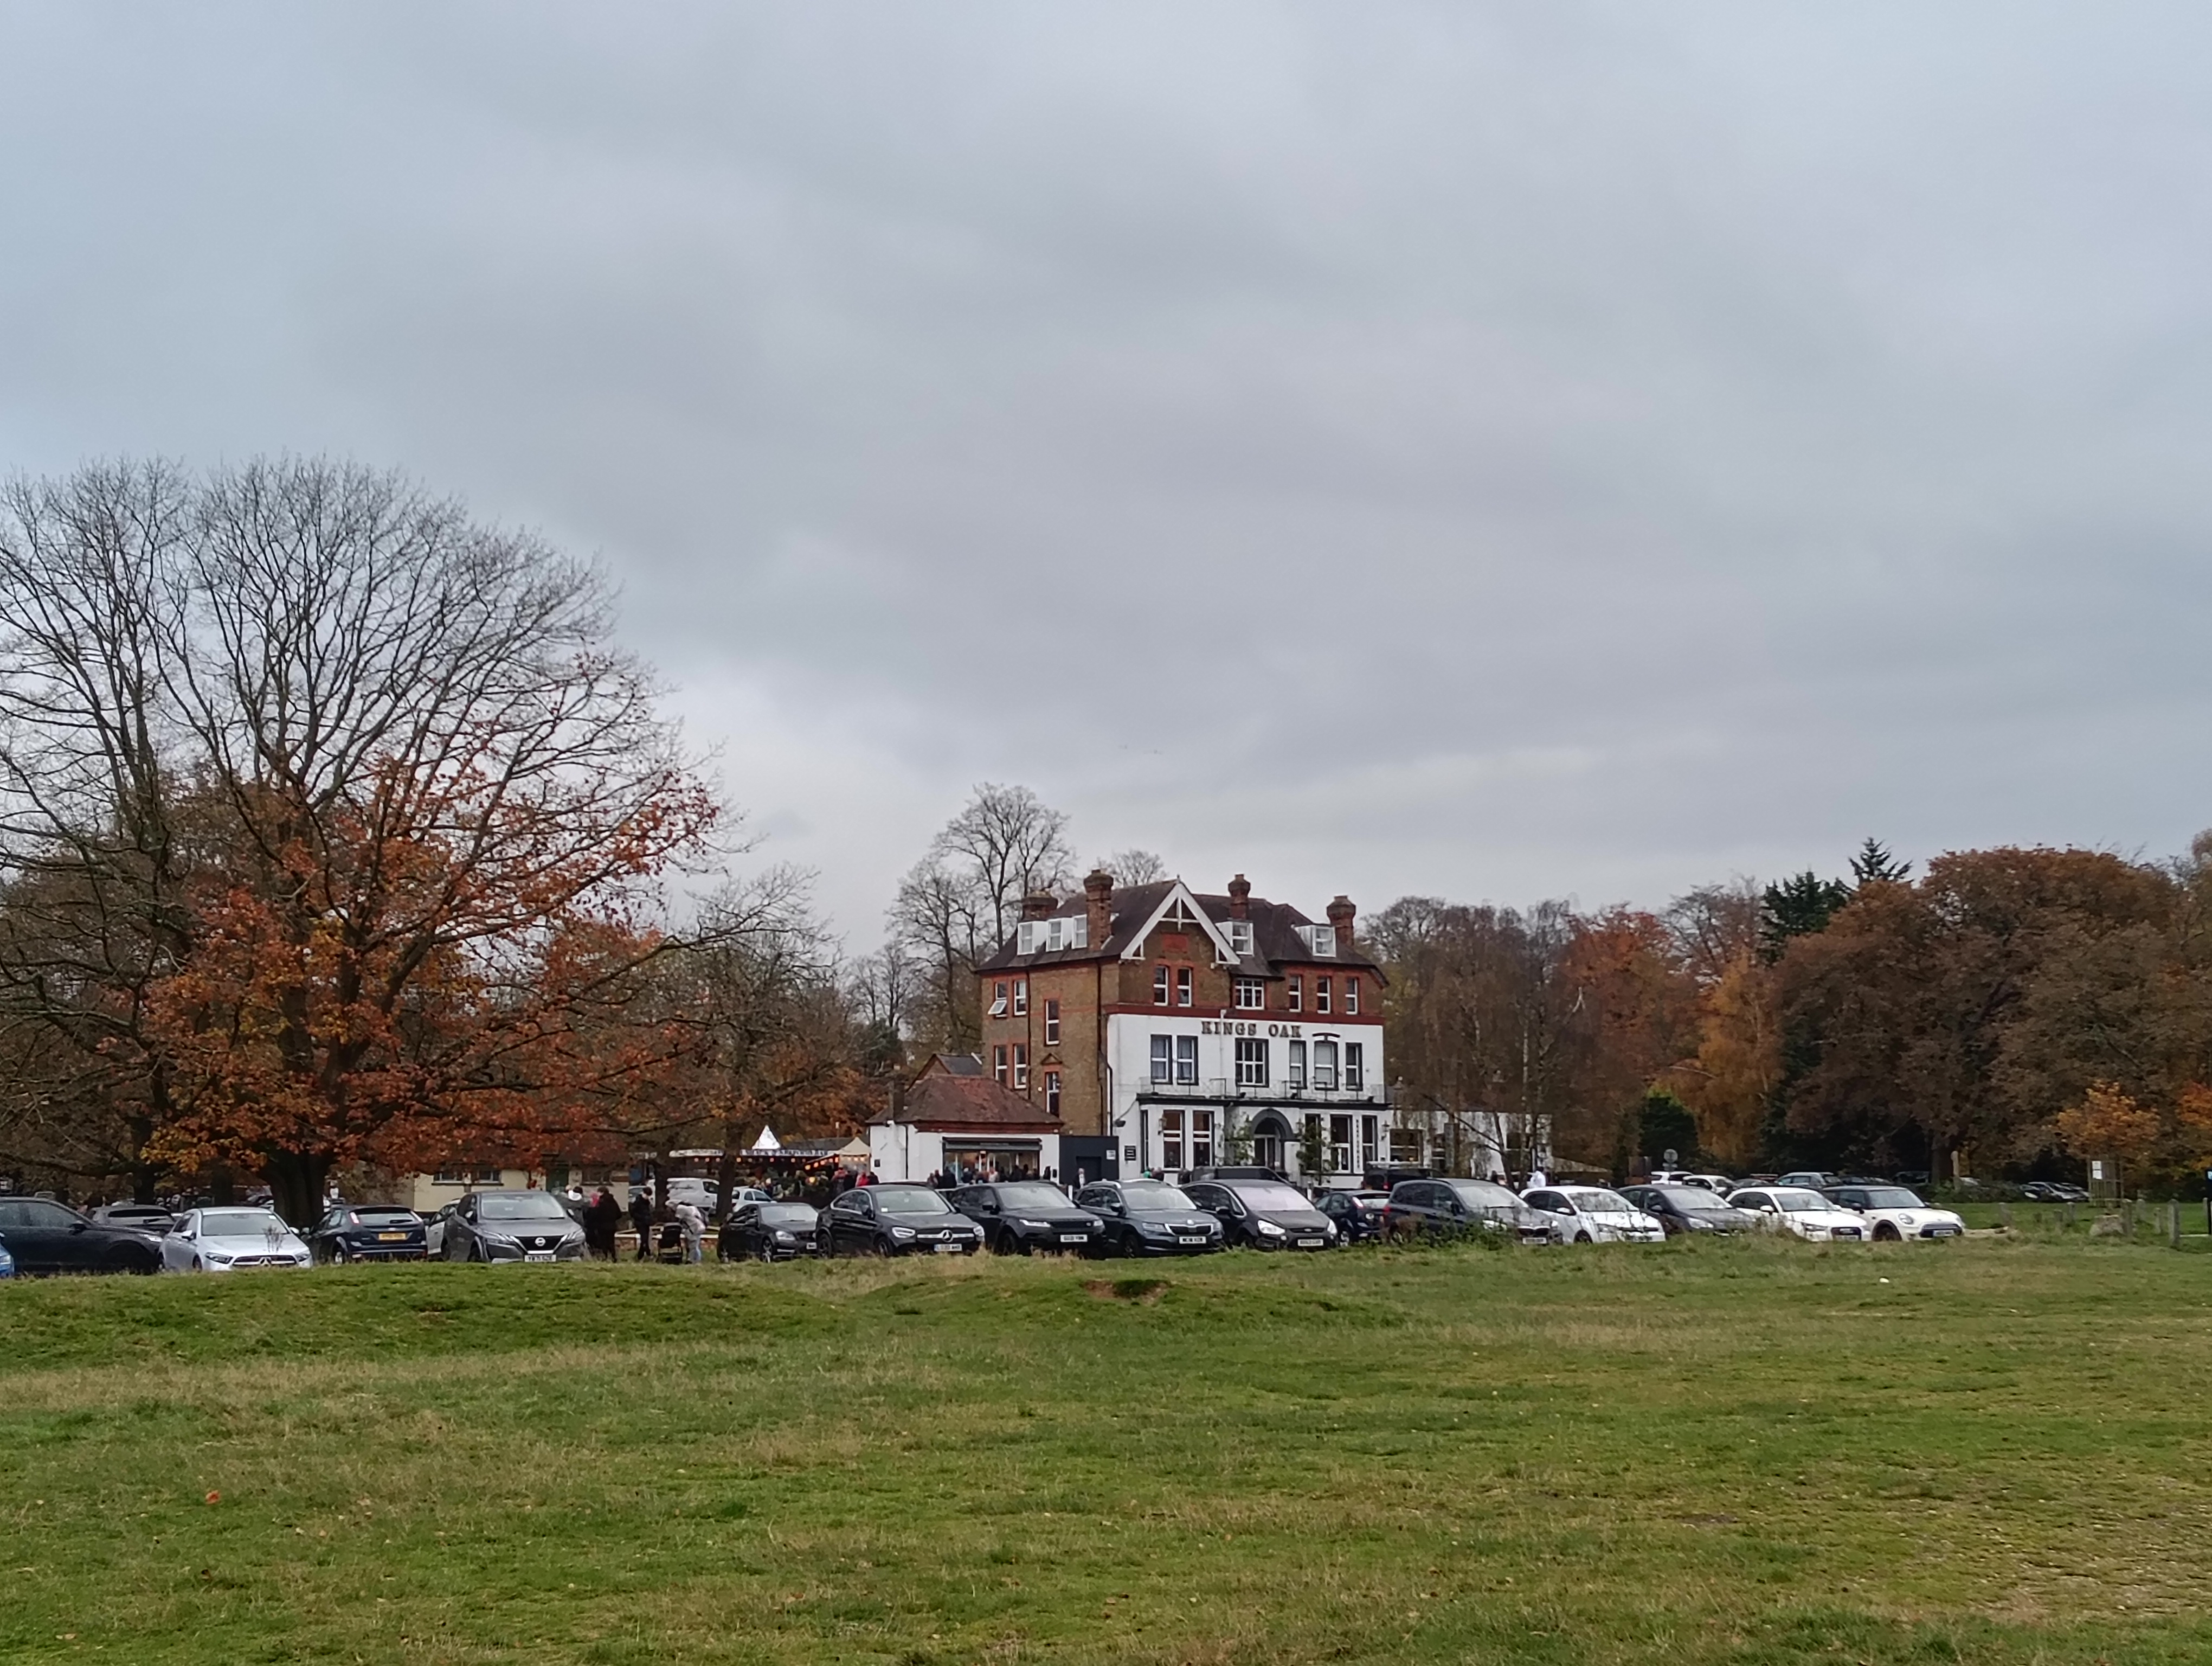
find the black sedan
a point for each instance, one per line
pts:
(899, 1220)
(1688, 1209)
(1451, 1208)
(367, 1231)
(1264, 1214)
(511, 1226)
(46, 1237)
(1021, 1217)
(1150, 1217)
(771, 1231)
(1358, 1215)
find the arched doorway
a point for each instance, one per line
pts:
(1271, 1142)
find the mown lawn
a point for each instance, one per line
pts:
(1986, 1451)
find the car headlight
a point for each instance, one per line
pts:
(901, 1232)
(1269, 1230)
(217, 1256)
(786, 1237)
(1035, 1225)
(1153, 1229)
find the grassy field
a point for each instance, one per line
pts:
(1989, 1451)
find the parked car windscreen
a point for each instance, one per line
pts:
(1483, 1194)
(1032, 1194)
(520, 1205)
(788, 1214)
(239, 1223)
(1691, 1199)
(1599, 1202)
(1155, 1194)
(1892, 1197)
(1800, 1203)
(1261, 1195)
(909, 1200)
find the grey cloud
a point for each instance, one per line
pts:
(1478, 449)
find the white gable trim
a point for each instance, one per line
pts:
(1223, 954)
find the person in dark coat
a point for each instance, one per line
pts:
(641, 1217)
(605, 1221)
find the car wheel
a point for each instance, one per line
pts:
(1886, 1233)
(1583, 1238)
(1011, 1245)
(886, 1248)
(340, 1254)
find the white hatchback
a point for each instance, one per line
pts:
(218, 1240)
(1800, 1213)
(1895, 1213)
(1594, 1215)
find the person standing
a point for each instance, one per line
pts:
(606, 1221)
(641, 1217)
(694, 1232)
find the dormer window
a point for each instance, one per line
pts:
(1321, 940)
(1239, 933)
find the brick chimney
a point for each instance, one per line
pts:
(1098, 893)
(1341, 913)
(1039, 905)
(1240, 898)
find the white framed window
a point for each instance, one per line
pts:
(1294, 1075)
(1182, 986)
(1351, 997)
(1202, 1139)
(1294, 992)
(1029, 936)
(1251, 994)
(1369, 1128)
(1021, 1067)
(1239, 933)
(1186, 1061)
(1021, 996)
(1339, 1144)
(1052, 1021)
(1163, 1060)
(998, 1000)
(999, 1063)
(1321, 939)
(1321, 992)
(1324, 1067)
(1171, 1140)
(1251, 1062)
(1052, 1093)
(1355, 1064)
(1159, 986)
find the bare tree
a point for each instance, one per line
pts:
(959, 902)
(1134, 866)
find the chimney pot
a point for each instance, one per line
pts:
(1039, 905)
(1341, 913)
(1240, 898)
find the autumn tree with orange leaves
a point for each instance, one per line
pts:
(381, 810)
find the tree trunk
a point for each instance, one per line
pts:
(297, 1179)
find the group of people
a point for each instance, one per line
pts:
(604, 1217)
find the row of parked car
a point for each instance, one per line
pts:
(1218, 1209)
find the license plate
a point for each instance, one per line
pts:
(1075, 1237)
(1942, 1232)
(538, 1255)
(1308, 1243)
(947, 1249)
(1198, 1238)
(391, 1237)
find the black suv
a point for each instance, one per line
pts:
(1020, 1217)
(1150, 1217)
(1264, 1214)
(897, 1221)
(1453, 1208)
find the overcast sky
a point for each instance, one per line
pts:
(1496, 451)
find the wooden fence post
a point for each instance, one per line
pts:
(2173, 1226)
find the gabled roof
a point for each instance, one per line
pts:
(1275, 933)
(952, 1091)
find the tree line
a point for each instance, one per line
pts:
(337, 832)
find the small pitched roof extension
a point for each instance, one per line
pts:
(952, 1092)
(1275, 939)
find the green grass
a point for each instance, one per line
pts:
(1992, 1451)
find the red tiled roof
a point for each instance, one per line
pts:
(938, 1099)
